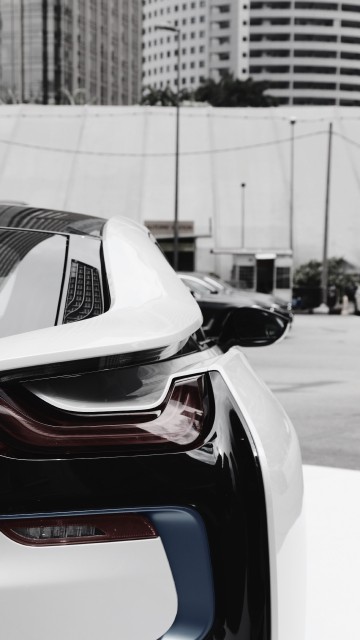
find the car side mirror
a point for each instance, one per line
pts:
(252, 327)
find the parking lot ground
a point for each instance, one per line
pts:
(315, 373)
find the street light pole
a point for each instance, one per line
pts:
(243, 186)
(324, 276)
(291, 212)
(177, 142)
(22, 51)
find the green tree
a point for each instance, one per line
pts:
(232, 92)
(227, 92)
(162, 97)
(339, 275)
(308, 274)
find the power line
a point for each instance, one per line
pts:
(349, 140)
(186, 112)
(118, 154)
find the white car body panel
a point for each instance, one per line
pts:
(280, 460)
(150, 309)
(109, 590)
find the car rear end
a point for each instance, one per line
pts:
(151, 484)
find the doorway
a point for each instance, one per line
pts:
(265, 270)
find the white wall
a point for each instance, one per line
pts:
(108, 161)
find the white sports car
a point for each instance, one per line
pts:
(151, 485)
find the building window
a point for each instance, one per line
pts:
(246, 276)
(283, 278)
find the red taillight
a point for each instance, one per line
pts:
(79, 530)
(30, 426)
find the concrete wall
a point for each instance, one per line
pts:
(119, 161)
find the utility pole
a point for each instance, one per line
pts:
(22, 52)
(324, 276)
(243, 186)
(177, 31)
(291, 212)
(176, 212)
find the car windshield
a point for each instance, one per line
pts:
(217, 283)
(198, 286)
(31, 272)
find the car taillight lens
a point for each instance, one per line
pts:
(78, 530)
(30, 427)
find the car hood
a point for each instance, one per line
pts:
(231, 299)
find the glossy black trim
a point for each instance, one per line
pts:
(221, 480)
(104, 281)
(87, 365)
(62, 280)
(26, 217)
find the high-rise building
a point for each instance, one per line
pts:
(61, 51)
(309, 52)
(213, 40)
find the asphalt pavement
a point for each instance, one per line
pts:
(315, 373)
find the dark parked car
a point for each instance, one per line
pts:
(216, 299)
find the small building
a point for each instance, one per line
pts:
(163, 231)
(266, 271)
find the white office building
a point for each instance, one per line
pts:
(309, 52)
(213, 36)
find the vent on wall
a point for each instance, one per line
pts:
(84, 295)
